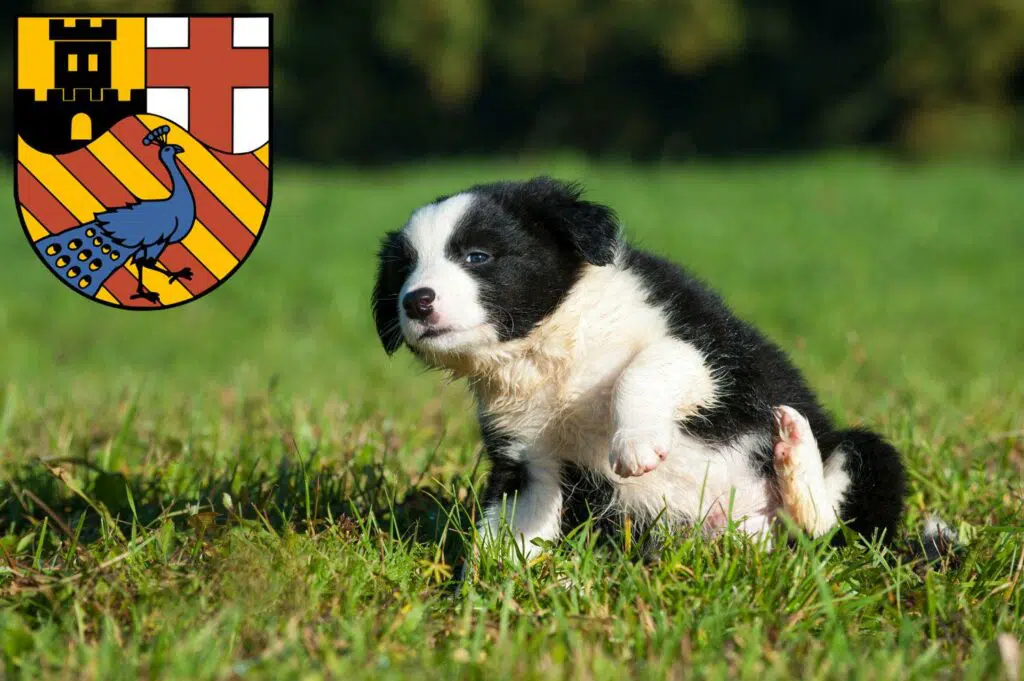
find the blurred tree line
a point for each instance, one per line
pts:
(383, 80)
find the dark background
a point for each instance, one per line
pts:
(365, 81)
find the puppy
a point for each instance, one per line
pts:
(611, 383)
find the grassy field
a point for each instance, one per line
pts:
(247, 488)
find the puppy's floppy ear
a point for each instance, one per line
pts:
(589, 228)
(394, 263)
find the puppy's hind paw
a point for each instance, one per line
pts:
(799, 472)
(794, 445)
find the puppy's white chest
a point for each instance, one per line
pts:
(582, 426)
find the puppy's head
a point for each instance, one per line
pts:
(485, 266)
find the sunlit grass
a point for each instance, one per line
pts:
(246, 487)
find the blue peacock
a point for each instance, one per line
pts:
(86, 255)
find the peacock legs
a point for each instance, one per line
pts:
(140, 292)
(172, 276)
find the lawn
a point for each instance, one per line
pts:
(248, 488)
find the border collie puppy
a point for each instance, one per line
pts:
(611, 382)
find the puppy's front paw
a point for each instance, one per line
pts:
(633, 455)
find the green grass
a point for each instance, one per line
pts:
(246, 487)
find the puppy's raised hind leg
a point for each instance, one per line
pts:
(811, 492)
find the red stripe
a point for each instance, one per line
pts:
(42, 204)
(221, 222)
(249, 170)
(111, 193)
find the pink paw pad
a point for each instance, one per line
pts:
(633, 457)
(791, 431)
(788, 425)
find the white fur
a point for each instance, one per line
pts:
(457, 306)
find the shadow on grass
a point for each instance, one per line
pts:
(291, 497)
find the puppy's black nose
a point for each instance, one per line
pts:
(419, 303)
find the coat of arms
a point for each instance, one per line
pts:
(143, 151)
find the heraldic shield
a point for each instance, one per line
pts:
(143, 151)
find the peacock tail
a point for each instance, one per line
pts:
(81, 257)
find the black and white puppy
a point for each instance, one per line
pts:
(610, 380)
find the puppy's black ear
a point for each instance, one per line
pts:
(589, 228)
(394, 263)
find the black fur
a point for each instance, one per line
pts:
(874, 502)
(755, 375)
(524, 252)
(395, 261)
(540, 233)
(508, 476)
(548, 206)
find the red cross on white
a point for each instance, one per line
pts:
(210, 75)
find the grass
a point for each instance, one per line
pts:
(246, 488)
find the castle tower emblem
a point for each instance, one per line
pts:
(143, 175)
(82, 104)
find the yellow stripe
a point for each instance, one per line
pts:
(105, 295)
(139, 181)
(61, 183)
(213, 174)
(263, 154)
(36, 231)
(84, 206)
(209, 251)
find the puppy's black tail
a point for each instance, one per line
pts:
(873, 503)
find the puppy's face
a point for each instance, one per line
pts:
(485, 266)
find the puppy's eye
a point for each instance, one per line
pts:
(477, 258)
